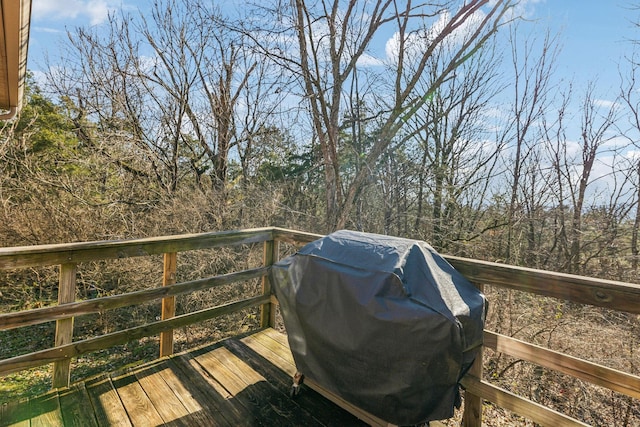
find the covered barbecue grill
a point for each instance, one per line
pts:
(383, 322)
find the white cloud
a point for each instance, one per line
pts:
(392, 47)
(48, 30)
(572, 149)
(40, 78)
(615, 142)
(522, 9)
(417, 42)
(367, 60)
(603, 103)
(633, 155)
(95, 11)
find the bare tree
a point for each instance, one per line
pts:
(631, 101)
(456, 157)
(174, 85)
(332, 38)
(532, 69)
(573, 165)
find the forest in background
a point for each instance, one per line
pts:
(194, 119)
(188, 120)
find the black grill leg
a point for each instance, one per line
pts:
(298, 379)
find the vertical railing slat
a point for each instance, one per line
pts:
(267, 311)
(168, 303)
(472, 416)
(64, 327)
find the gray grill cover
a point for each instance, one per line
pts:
(386, 323)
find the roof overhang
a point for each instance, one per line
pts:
(14, 42)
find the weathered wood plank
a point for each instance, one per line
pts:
(198, 414)
(231, 384)
(276, 336)
(109, 340)
(472, 415)
(259, 398)
(107, 406)
(45, 411)
(584, 290)
(531, 410)
(75, 405)
(42, 255)
(272, 351)
(161, 396)
(326, 412)
(64, 327)
(47, 314)
(15, 414)
(140, 409)
(594, 373)
(294, 237)
(267, 311)
(219, 402)
(168, 309)
(257, 387)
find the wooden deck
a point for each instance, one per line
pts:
(246, 380)
(243, 381)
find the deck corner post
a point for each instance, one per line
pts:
(170, 260)
(472, 416)
(267, 311)
(61, 376)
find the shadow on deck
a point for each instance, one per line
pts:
(242, 381)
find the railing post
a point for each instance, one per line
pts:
(168, 303)
(267, 311)
(472, 416)
(64, 327)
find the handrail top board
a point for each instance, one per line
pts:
(582, 289)
(610, 294)
(64, 253)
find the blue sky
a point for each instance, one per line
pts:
(595, 34)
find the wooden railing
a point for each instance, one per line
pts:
(70, 258)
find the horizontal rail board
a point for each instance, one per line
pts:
(535, 412)
(79, 348)
(580, 289)
(612, 379)
(294, 237)
(42, 255)
(47, 314)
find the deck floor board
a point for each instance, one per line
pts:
(242, 381)
(76, 408)
(46, 411)
(168, 405)
(105, 401)
(15, 414)
(222, 409)
(139, 407)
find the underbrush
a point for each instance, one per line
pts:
(605, 337)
